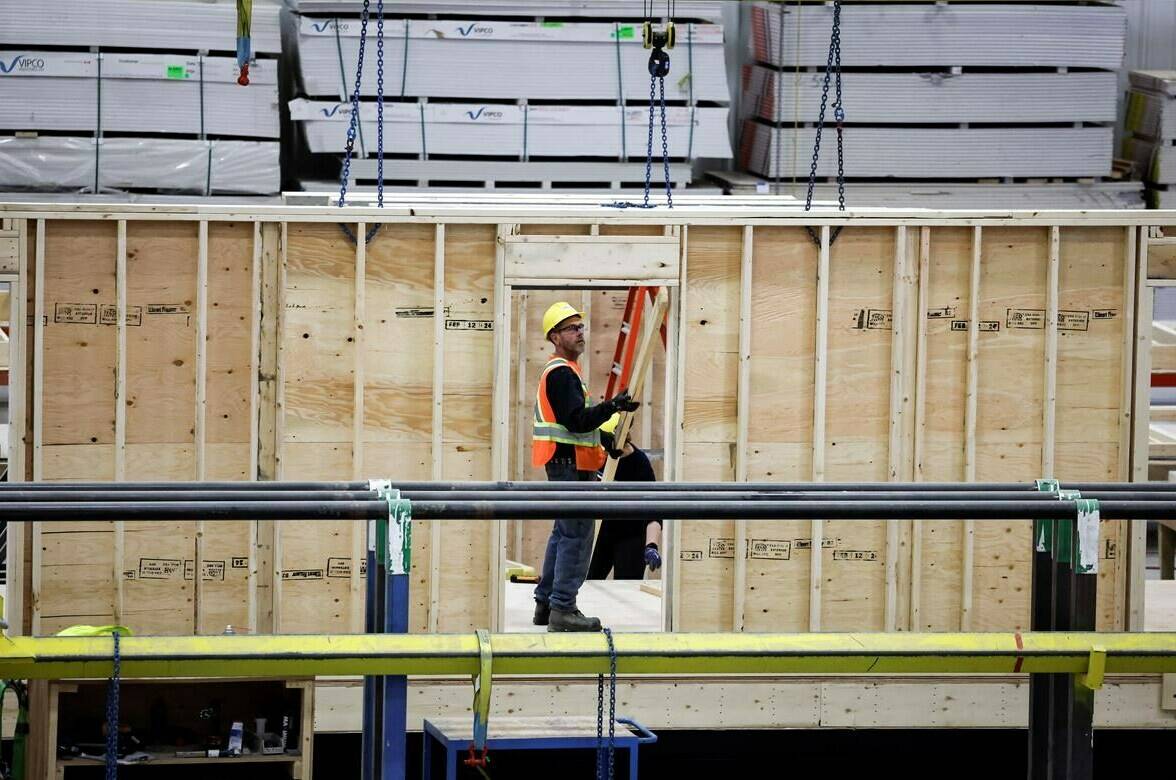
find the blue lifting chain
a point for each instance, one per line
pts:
(353, 124)
(832, 68)
(659, 67)
(605, 752)
(112, 716)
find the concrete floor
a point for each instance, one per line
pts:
(1159, 605)
(620, 604)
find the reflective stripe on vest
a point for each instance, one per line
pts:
(550, 430)
(548, 434)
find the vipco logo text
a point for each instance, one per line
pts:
(21, 63)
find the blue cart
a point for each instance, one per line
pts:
(455, 736)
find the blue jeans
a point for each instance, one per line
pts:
(569, 548)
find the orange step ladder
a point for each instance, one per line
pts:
(622, 362)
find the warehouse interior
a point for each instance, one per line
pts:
(393, 388)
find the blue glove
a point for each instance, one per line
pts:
(652, 557)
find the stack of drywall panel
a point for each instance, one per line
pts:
(507, 60)
(1149, 137)
(166, 164)
(934, 153)
(518, 131)
(184, 25)
(143, 93)
(936, 91)
(548, 93)
(112, 94)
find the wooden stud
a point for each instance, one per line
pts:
(522, 412)
(458, 208)
(255, 360)
(201, 349)
(899, 395)
(254, 420)
(1137, 552)
(18, 361)
(1049, 418)
(898, 378)
(18, 533)
(279, 424)
(269, 369)
(586, 308)
(38, 407)
(1126, 363)
(673, 440)
(743, 419)
(200, 412)
(38, 353)
(920, 398)
(268, 311)
(357, 383)
(359, 530)
(500, 435)
(820, 379)
(1125, 563)
(438, 421)
(968, 542)
(120, 410)
(120, 393)
(924, 287)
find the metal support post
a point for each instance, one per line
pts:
(371, 624)
(398, 557)
(385, 705)
(1065, 577)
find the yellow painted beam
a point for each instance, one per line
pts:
(643, 653)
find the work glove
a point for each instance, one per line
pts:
(609, 443)
(652, 557)
(621, 402)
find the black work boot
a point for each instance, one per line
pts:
(572, 621)
(542, 613)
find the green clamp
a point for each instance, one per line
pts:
(1086, 562)
(1043, 530)
(391, 540)
(1058, 535)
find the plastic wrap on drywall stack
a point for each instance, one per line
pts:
(181, 165)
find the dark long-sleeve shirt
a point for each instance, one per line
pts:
(565, 393)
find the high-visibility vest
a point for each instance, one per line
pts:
(547, 433)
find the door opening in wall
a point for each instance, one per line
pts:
(621, 589)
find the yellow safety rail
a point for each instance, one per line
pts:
(1089, 654)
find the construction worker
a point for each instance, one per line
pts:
(624, 547)
(566, 442)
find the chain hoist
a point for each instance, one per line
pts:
(658, 41)
(832, 70)
(353, 123)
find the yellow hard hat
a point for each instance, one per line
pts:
(610, 425)
(557, 313)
